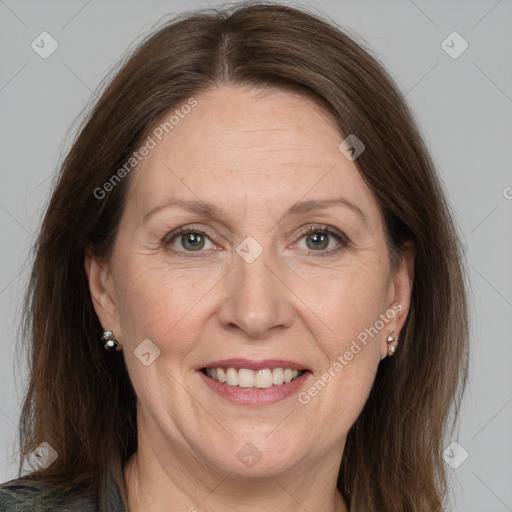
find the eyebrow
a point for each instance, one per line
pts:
(210, 210)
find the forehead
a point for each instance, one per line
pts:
(251, 146)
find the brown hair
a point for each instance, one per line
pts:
(80, 399)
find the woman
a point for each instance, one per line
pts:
(246, 229)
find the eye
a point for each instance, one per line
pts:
(322, 239)
(189, 240)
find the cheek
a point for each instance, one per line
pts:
(158, 302)
(336, 394)
(343, 301)
(347, 311)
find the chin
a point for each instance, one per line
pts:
(256, 456)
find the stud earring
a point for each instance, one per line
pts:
(392, 344)
(109, 342)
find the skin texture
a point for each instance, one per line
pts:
(252, 153)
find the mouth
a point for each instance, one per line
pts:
(252, 383)
(263, 378)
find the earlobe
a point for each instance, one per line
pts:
(101, 289)
(400, 298)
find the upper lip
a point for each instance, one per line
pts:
(255, 365)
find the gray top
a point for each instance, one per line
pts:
(23, 495)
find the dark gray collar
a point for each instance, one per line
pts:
(112, 490)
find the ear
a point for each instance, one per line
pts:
(102, 290)
(399, 298)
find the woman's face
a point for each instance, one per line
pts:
(248, 289)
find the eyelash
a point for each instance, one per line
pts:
(342, 240)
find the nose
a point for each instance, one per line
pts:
(257, 300)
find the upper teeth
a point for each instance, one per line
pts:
(245, 378)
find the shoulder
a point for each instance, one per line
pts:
(24, 495)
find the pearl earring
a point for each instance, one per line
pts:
(109, 342)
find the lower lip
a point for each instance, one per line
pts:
(255, 396)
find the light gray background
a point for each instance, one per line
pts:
(463, 106)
